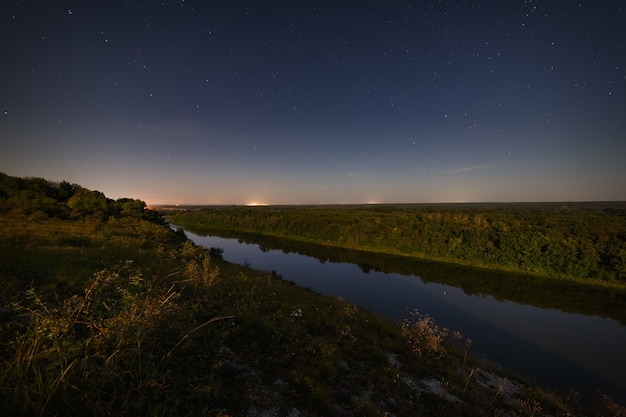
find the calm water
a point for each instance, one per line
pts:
(565, 349)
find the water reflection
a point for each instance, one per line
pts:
(564, 334)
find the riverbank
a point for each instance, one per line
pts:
(582, 243)
(194, 334)
(556, 332)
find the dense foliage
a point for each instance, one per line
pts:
(572, 240)
(105, 310)
(40, 199)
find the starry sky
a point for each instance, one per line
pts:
(307, 102)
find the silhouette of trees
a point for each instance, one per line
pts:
(39, 198)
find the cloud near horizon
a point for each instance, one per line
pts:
(464, 170)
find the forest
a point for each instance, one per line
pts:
(582, 241)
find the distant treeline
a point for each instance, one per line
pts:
(583, 241)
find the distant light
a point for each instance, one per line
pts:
(255, 204)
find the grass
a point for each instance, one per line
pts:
(122, 317)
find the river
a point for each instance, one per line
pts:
(560, 334)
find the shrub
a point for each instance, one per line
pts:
(422, 334)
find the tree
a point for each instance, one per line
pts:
(130, 207)
(66, 190)
(88, 203)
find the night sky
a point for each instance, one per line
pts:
(297, 102)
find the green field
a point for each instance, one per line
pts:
(104, 310)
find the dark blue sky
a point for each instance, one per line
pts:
(291, 102)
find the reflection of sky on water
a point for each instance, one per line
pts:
(594, 343)
(563, 348)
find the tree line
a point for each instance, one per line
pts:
(584, 241)
(40, 199)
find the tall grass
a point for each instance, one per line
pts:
(105, 351)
